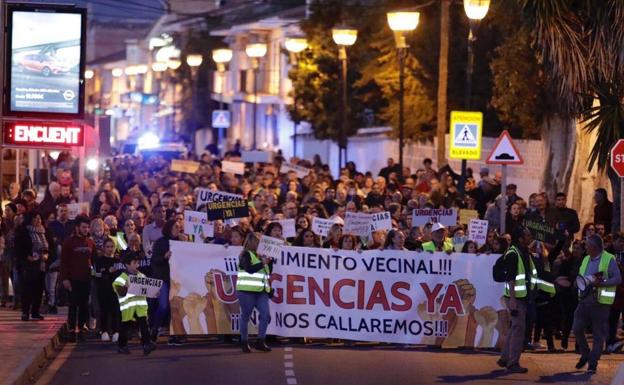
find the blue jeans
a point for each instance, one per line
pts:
(161, 312)
(248, 300)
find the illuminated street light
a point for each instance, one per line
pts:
(476, 9)
(141, 69)
(343, 37)
(194, 60)
(130, 70)
(174, 64)
(89, 74)
(92, 164)
(296, 44)
(400, 23)
(117, 72)
(148, 140)
(222, 55)
(159, 66)
(255, 51)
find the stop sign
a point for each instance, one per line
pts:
(617, 158)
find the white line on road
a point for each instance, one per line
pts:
(291, 379)
(289, 364)
(288, 349)
(289, 373)
(288, 356)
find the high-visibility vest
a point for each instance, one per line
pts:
(520, 283)
(130, 305)
(121, 241)
(256, 282)
(446, 246)
(606, 294)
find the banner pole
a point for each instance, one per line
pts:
(621, 204)
(503, 206)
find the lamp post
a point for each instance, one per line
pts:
(255, 51)
(295, 45)
(401, 23)
(221, 57)
(343, 37)
(194, 60)
(173, 65)
(476, 11)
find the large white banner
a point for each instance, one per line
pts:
(385, 296)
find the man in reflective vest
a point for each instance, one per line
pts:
(133, 307)
(439, 241)
(520, 284)
(600, 268)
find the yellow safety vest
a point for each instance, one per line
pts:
(446, 246)
(130, 305)
(606, 294)
(256, 282)
(520, 287)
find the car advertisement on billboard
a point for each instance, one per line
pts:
(46, 60)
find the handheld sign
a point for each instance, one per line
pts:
(381, 221)
(257, 156)
(288, 228)
(75, 209)
(448, 217)
(477, 231)
(187, 166)
(144, 286)
(196, 223)
(543, 232)
(358, 224)
(233, 167)
(205, 195)
(270, 247)
(227, 210)
(321, 226)
(299, 170)
(466, 215)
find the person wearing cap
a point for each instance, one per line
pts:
(601, 269)
(439, 240)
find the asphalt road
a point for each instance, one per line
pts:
(202, 361)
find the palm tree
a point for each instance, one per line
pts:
(581, 45)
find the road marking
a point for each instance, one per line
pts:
(289, 364)
(288, 349)
(57, 363)
(289, 373)
(291, 379)
(288, 356)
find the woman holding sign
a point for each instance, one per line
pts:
(253, 291)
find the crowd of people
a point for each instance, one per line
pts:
(137, 208)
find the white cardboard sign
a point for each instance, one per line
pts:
(321, 226)
(299, 170)
(75, 209)
(447, 217)
(205, 195)
(381, 221)
(257, 156)
(477, 231)
(270, 247)
(288, 228)
(145, 286)
(196, 223)
(233, 167)
(358, 224)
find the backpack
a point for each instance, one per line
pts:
(499, 270)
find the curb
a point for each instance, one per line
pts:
(27, 372)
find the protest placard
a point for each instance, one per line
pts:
(270, 247)
(257, 156)
(381, 221)
(358, 224)
(205, 195)
(543, 232)
(477, 231)
(299, 170)
(448, 217)
(288, 228)
(196, 223)
(75, 209)
(147, 287)
(228, 209)
(187, 166)
(466, 215)
(233, 167)
(321, 226)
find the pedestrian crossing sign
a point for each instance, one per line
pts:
(465, 136)
(221, 119)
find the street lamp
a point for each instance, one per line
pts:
(401, 23)
(295, 45)
(194, 60)
(89, 74)
(476, 11)
(255, 51)
(343, 37)
(222, 57)
(159, 66)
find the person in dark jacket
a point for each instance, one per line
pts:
(567, 218)
(603, 211)
(32, 253)
(107, 267)
(160, 270)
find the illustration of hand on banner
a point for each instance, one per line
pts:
(503, 324)
(222, 295)
(425, 316)
(462, 327)
(178, 313)
(487, 318)
(194, 305)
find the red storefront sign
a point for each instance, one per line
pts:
(36, 135)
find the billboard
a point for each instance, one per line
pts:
(45, 60)
(42, 135)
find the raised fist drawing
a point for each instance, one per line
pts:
(194, 305)
(486, 317)
(178, 313)
(462, 327)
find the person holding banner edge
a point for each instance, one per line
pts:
(253, 290)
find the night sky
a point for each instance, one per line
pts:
(117, 9)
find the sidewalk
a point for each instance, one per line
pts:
(25, 346)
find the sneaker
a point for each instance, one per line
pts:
(52, 310)
(502, 363)
(154, 336)
(148, 348)
(261, 345)
(592, 369)
(581, 362)
(25, 317)
(123, 350)
(37, 317)
(174, 341)
(517, 369)
(105, 337)
(245, 347)
(115, 337)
